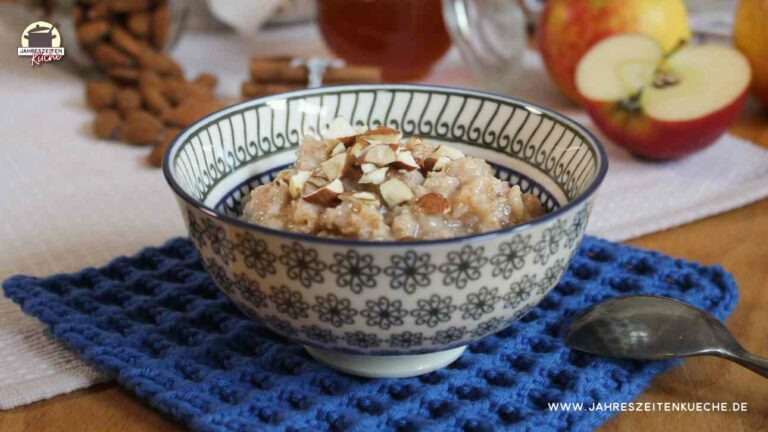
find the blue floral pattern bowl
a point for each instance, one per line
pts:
(385, 308)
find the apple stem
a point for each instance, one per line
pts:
(680, 45)
(664, 77)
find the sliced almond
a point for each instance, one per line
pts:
(296, 182)
(340, 128)
(334, 166)
(395, 192)
(365, 198)
(379, 155)
(436, 163)
(338, 149)
(327, 195)
(368, 167)
(433, 203)
(449, 152)
(404, 160)
(377, 176)
(384, 134)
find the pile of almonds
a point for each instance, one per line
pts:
(359, 167)
(145, 98)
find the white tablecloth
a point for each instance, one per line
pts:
(69, 200)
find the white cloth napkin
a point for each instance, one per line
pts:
(70, 201)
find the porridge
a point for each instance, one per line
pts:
(376, 185)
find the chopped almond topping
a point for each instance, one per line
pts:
(365, 198)
(377, 176)
(404, 160)
(334, 166)
(338, 149)
(340, 128)
(384, 134)
(327, 195)
(357, 149)
(379, 154)
(296, 182)
(433, 203)
(368, 167)
(395, 192)
(436, 163)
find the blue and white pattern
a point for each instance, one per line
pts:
(387, 297)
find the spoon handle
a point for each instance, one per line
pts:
(750, 361)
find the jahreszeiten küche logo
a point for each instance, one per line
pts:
(41, 42)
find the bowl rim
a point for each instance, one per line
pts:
(583, 196)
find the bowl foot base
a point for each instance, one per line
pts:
(400, 366)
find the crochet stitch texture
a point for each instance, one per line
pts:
(159, 324)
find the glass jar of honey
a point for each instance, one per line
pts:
(405, 38)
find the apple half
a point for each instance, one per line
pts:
(662, 105)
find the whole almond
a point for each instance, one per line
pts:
(100, 94)
(139, 24)
(155, 157)
(140, 128)
(161, 23)
(126, 75)
(160, 63)
(190, 110)
(109, 56)
(92, 32)
(106, 124)
(155, 100)
(128, 100)
(123, 40)
(128, 5)
(150, 79)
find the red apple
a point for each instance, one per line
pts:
(657, 105)
(568, 28)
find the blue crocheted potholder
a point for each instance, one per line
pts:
(158, 323)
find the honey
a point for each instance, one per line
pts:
(403, 37)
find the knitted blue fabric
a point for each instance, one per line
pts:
(158, 323)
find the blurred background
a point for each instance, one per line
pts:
(246, 49)
(136, 72)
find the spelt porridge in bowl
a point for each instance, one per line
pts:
(377, 185)
(382, 253)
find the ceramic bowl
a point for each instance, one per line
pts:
(385, 308)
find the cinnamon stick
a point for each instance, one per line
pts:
(352, 74)
(270, 71)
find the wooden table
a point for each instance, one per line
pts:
(737, 240)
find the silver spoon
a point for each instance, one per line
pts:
(656, 328)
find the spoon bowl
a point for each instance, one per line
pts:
(656, 328)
